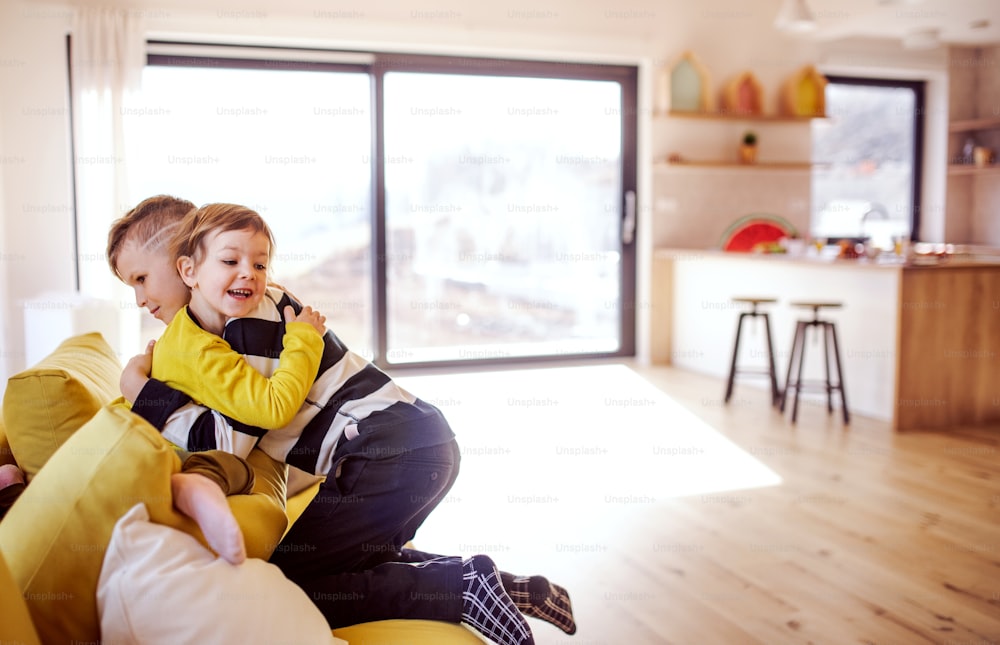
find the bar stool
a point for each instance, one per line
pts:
(733, 369)
(795, 360)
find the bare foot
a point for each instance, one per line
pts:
(9, 475)
(201, 499)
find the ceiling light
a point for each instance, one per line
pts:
(922, 39)
(795, 15)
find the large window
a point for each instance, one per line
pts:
(872, 143)
(435, 209)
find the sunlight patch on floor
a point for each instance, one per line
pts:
(572, 449)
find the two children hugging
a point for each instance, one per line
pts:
(272, 376)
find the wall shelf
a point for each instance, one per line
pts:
(699, 164)
(970, 169)
(759, 165)
(734, 116)
(970, 125)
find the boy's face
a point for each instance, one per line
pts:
(154, 279)
(230, 279)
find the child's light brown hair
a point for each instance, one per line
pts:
(188, 240)
(150, 224)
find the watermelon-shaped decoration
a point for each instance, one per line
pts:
(757, 232)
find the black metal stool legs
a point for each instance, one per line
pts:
(736, 352)
(832, 330)
(791, 363)
(734, 369)
(775, 394)
(796, 361)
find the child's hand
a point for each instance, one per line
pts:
(307, 315)
(136, 373)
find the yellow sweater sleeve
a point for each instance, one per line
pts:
(206, 368)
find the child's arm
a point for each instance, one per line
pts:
(190, 426)
(205, 367)
(181, 421)
(160, 405)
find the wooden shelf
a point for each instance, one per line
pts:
(969, 125)
(760, 165)
(733, 116)
(970, 169)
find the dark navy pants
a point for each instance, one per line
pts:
(346, 550)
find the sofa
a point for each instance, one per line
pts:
(93, 550)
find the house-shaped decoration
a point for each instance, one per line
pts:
(804, 94)
(689, 85)
(743, 95)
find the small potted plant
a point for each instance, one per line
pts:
(748, 148)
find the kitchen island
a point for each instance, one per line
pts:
(920, 343)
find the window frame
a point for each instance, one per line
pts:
(919, 97)
(377, 65)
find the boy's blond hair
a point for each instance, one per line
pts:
(188, 239)
(150, 224)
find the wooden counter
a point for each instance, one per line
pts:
(920, 344)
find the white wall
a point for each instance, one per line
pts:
(36, 204)
(35, 173)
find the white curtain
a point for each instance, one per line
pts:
(106, 60)
(107, 55)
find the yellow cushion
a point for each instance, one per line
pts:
(16, 625)
(411, 632)
(55, 536)
(45, 404)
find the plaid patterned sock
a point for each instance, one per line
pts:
(487, 607)
(535, 596)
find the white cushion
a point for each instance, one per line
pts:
(160, 585)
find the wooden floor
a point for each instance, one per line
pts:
(873, 537)
(870, 537)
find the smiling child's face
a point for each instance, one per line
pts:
(230, 279)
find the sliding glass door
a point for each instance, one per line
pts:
(503, 216)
